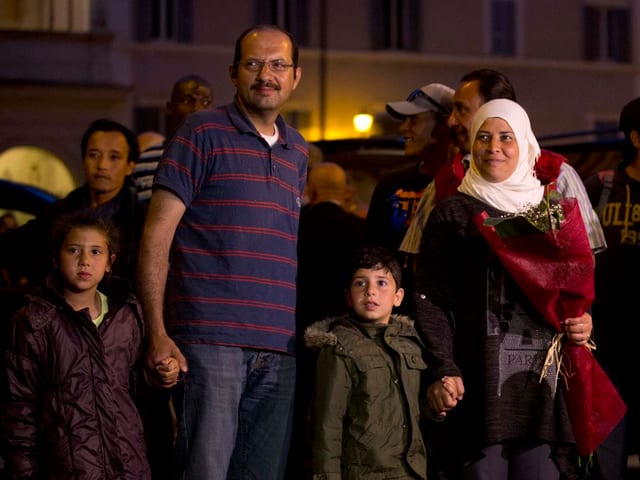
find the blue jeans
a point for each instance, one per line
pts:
(234, 420)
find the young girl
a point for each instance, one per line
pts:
(72, 357)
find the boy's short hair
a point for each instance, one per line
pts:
(377, 258)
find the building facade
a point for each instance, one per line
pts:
(64, 63)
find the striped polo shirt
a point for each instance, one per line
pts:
(233, 263)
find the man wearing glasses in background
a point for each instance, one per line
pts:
(226, 201)
(393, 204)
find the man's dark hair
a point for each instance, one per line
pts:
(491, 84)
(630, 117)
(237, 54)
(629, 122)
(192, 77)
(376, 258)
(108, 125)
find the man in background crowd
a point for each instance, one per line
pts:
(394, 201)
(109, 151)
(190, 94)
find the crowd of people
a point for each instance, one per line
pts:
(209, 307)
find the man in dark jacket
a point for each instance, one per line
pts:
(615, 194)
(109, 152)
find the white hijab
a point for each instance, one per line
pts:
(522, 189)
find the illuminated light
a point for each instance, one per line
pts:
(362, 122)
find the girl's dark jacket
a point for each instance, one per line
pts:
(68, 411)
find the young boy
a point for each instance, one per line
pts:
(73, 352)
(368, 397)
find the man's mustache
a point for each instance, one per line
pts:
(275, 86)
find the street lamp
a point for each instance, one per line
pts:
(362, 122)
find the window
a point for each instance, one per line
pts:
(169, 20)
(68, 16)
(396, 24)
(503, 28)
(292, 15)
(606, 33)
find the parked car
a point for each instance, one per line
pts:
(20, 198)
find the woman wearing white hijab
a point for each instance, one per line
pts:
(502, 422)
(519, 188)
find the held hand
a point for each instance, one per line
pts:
(579, 329)
(161, 348)
(445, 394)
(167, 373)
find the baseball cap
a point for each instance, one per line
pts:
(434, 97)
(630, 117)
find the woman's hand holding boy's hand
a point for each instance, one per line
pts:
(445, 394)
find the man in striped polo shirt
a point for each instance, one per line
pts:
(222, 228)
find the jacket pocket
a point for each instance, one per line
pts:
(414, 361)
(364, 363)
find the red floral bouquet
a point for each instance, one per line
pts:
(546, 250)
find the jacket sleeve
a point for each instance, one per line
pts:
(20, 399)
(332, 393)
(138, 378)
(434, 299)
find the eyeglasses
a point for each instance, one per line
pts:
(419, 93)
(276, 66)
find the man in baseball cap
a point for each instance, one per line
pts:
(420, 114)
(434, 97)
(426, 136)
